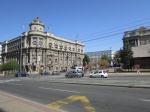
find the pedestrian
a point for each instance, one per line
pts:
(138, 69)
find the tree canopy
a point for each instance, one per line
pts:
(10, 65)
(105, 57)
(86, 60)
(126, 55)
(117, 58)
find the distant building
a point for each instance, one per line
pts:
(0, 53)
(139, 41)
(35, 50)
(98, 54)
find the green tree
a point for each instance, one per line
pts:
(126, 55)
(10, 65)
(105, 61)
(86, 60)
(95, 63)
(117, 58)
(90, 65)
(0, 67)
(105, 57)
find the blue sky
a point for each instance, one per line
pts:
(99, 24)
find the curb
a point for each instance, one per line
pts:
(112, 85)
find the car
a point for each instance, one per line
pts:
(99, 73)
(45, 73)
(80, 73)
(56, 73)
(72, 74)
(21, 74)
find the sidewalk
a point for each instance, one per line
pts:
(10, 103)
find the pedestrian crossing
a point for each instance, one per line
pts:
(9, 80)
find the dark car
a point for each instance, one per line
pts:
(56, 73)
(45, 73)
(21, 74)
(73, 74)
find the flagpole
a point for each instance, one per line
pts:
(48, 27)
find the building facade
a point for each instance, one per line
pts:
(139, 41)
(36, 49)
(98, 54)
(0, 53)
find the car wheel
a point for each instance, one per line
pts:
(102, 76)
(91, 76)
(66, 76)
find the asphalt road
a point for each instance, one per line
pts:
(79, 98)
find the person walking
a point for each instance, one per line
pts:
(138, 69)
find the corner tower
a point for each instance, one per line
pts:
(37, 25)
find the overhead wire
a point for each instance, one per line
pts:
(116, 27)
(113, 31)
(103, 37)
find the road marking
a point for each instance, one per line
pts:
(10, 80)
(70, 99)
(145, 100)
(14, 84)
(59, 90)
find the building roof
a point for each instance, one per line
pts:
(37, 21)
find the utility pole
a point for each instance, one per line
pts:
(76, 50)
(20, 55)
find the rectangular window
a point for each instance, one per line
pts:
(41, 40)
(55, 60)
(34, 40)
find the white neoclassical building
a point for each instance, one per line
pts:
(36, 48)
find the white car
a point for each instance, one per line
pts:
(99, 73)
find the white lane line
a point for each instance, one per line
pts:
(10, 80)
(59, 90)
(15, 84)
(145, 100)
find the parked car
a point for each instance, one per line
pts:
(56, 73)
(45, 73)
(21, 74)
(99, 73)
(73, 74)
(80, 73)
